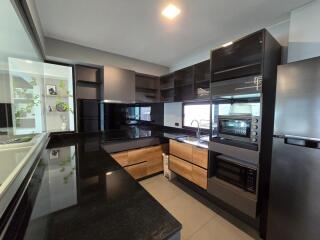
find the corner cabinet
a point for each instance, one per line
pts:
(190, 162)
(142, 162)
(119, 85)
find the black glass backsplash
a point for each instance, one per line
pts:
(118, 116)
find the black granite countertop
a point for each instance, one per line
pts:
(138, 132)
(85, 194)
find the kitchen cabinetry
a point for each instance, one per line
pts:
(202, 79)
(141, 162)
(88, 82)
(190, 83)
(147, 88)
(167, 88)
(242, 58)
(88, 94)
(181, 167)
(137, 171)
(184, 84)
(119, 85)
(190, 162)
(181, 150)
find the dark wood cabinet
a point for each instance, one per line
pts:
(88, 82)
(147, 88)
(202, 79)
(88, 94)
(167, 88)
(184, 84)
(119, 85)
(190, 83)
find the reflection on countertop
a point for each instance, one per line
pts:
(139, 132)
(90, 196)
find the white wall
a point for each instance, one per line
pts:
(304, 37)
(57, 50)
(173, 114)
(280, 31)
(36, 21)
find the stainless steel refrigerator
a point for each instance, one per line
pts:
(294, 200)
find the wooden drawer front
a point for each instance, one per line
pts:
(181, 150)
(199, 176)
(200, 157)
(137, 156)
(137, 171)
(121, 158)
(181, 167)
(154, 159)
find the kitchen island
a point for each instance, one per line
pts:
(78, 191)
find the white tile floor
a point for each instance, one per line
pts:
(198, 221)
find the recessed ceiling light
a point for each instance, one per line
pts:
(227, 44)
(171, 11)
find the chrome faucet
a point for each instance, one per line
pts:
(198, 130)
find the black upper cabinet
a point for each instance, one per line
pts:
(147, 88)
(184, 84)
(202, 80)
(88, 82)
(167, 88)
(190, 83)
(242, 58)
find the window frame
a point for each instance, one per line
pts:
(205, 130)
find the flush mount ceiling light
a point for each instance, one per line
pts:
(227, 44)
(171, 11)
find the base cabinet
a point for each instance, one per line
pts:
(199, 176)
(190, 162)
(181, 167)
(137, 171)
(141, 162)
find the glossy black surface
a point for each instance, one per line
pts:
(85, 194)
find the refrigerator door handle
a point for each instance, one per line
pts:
(302, 141)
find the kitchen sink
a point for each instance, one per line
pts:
(17, 154)
(200, 142)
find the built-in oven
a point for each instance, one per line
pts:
(243, 128)
(236, 172)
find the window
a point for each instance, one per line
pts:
(145, 113)
(199, 112)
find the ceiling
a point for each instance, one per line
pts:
(136, 28)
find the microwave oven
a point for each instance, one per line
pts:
(236, 173)
(244, 128)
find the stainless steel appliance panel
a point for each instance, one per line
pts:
(298, 99)
(294, 209)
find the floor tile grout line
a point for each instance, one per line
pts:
(202, 226)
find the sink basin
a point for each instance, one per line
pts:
(10, 159)
(16, 159)
(194, 141)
